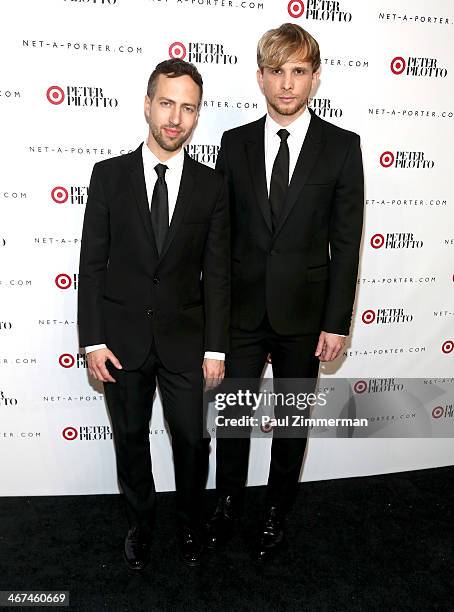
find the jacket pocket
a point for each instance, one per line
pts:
(317, 273)
(113, 300)
(192, 305)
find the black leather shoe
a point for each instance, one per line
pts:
(271, 536)
(137, 549)
(222, 525)
(190, 546)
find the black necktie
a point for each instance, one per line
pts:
(160, 207)
(279, 179)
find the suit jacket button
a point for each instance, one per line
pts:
(156, 281)
(149, 313)
(272, 252)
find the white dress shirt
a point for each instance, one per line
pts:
(297, 130)
(173, 179)
(297, 133)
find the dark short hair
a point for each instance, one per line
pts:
(173, 68)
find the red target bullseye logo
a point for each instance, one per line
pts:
(59, 194)
(63, 281)
(177, 50)
(69, 433)
(266, 427)
(368, 316)
(295, 8)
(387, 159)
(360, 386)
(447, 346)
(66, 360)
(437, 412)
(398, 65)
(377, 241)
(55, 94)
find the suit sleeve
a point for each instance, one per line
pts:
(94, 255)
(221, 161)
(345, 231)
(216, 276)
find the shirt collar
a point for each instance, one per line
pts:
(296, 128)
(174, 163)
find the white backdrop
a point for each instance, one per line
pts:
(72, 82)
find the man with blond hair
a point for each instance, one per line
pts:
(296, 198)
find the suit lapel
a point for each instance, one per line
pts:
(307, 158)
(137, 178)
(183, 199)
(255, 149)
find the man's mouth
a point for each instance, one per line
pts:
(172, 132)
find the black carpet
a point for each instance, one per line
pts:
(358, 544)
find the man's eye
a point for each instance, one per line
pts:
(164, 103)
(189, 109)
(276, 71)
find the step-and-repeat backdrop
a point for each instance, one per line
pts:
(72, 83)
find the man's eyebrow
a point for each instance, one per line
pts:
(164, 98)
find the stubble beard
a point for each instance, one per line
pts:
(172, 145)
(285, 110)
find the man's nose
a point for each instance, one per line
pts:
(175, 116)
(287, 82)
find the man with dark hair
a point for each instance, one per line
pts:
(174, 68)
(154, 301)
(295, 185)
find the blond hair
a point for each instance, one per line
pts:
(288, 40)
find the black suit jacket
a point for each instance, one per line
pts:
(127, 292)
(303, 275)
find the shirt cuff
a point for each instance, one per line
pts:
(214, 355)
(94, 347)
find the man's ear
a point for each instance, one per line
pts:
(315, 81)
(146, 106)
(260, 78)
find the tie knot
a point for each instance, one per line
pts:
(283, 135)
(160, 170)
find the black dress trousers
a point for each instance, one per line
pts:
(130, 401)
(293, 359)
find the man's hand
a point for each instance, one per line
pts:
(329, 346)
(213, 371)
(97, 364)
